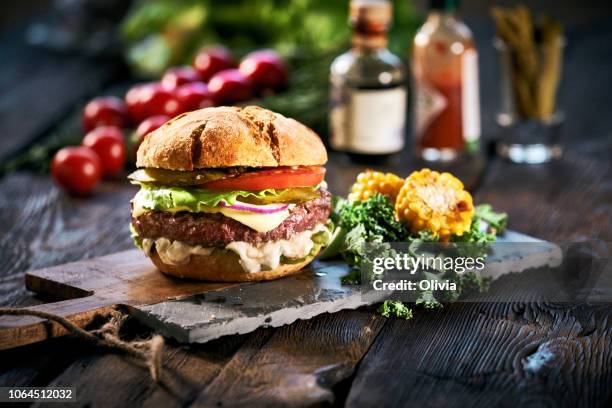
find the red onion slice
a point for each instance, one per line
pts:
(259, 209)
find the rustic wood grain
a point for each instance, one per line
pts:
(296, 365)
(42, 226)
(39, 88)
(504, 354)
(565, 201)
(18, 331)
(126, 277)
(187, 369)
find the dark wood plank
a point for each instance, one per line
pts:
(565, 201)
(296, 365)
(187, 369)
(39, 88)
(37, 365)
(490, 355)
(42, 226)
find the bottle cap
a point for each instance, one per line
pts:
(370, 16)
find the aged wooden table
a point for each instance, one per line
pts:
(465, 354)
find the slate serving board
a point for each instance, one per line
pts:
(198, 312)
(240, 309)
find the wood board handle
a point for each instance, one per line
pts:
(18, 331)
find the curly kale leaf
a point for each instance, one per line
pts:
(370, 221)
(425, 236)
(493, 222)
(471, 282)
(351, 278)
(373, 221)
(428, 300)
(395, 308)
(467, 283)
(485, 227)
(475, 242)
(377, 216)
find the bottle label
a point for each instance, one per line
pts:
(369, 121)
(429, 103)
(470, 99)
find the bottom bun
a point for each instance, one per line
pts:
(223, 266)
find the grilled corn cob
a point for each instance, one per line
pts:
(434, 201)
(370, 182)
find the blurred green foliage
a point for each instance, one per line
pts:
(161, 33)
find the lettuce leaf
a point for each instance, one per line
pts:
(166, 198)
(135, 237)
(154, 198)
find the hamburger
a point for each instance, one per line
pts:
(231, 194)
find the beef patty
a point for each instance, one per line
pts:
(217, 230)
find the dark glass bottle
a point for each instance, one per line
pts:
(368, 88)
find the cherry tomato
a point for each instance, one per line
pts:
(109, 144)
(77, 169)
(133, 102)
(150, 124)
(104, 111)
(265, 70)
(175, 77)
(149, 100)
(229, 86)
(193, 96)
(211, 60)
(146, 126)
(172, 107)
(282, 177)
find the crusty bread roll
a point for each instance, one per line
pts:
(230, 136)
(223, 266)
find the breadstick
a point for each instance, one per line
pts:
(551, 67)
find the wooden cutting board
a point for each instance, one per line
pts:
(88, 288)
(198, 312)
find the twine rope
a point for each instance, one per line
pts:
(148, 352)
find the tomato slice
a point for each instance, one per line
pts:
(281, 177)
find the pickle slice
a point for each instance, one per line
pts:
(294, 195)
(162, 177)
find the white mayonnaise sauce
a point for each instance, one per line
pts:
(252, 258)
(173, 252)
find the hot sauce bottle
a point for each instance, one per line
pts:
(446, 107)
(368, 98)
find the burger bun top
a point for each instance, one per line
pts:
(230, 136)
